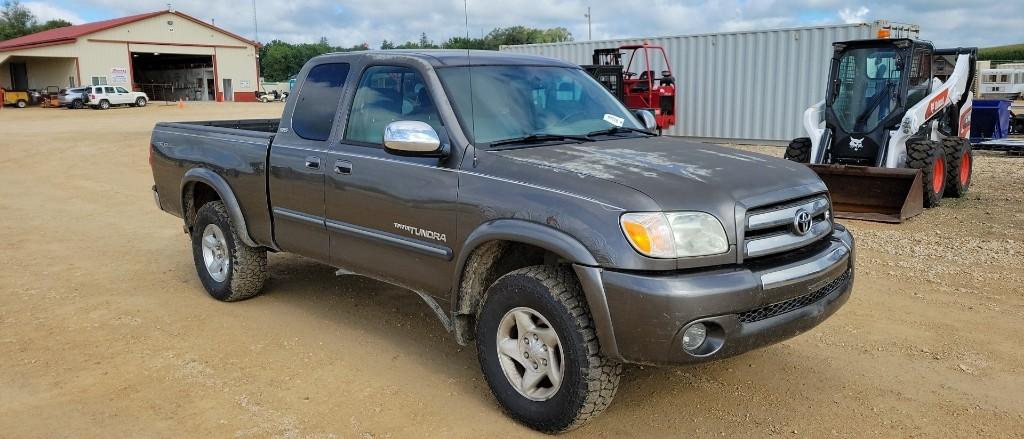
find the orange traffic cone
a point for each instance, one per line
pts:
(181, 104)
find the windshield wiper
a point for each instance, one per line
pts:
(540, 138)
(616, 130)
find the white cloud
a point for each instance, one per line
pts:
(351, 22)
(859, 15)
(46, 11)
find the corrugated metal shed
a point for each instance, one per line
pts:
(739, 86)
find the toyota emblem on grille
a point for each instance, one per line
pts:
(802, 222)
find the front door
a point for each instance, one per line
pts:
(229, 94)
(391, 217)
(298, 160)
(123, 96)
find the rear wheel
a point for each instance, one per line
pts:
(539, 353)
(799, 150)
(228, 269)
(930, 158)
(960, 164)
(104, 105)
(22, 104)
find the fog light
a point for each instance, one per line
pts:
(693, 337)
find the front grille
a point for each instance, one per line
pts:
(770, 229)
(779, 308)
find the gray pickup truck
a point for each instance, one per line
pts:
(537, 217)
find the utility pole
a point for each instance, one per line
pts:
(590, 35)
(255, 26)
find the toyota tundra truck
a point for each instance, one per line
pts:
(537, 217)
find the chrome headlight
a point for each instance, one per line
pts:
(674, 234)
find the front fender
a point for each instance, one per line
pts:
(557, 242)
(206, 176)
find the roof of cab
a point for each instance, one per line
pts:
(457, 57)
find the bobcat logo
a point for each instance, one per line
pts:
(856, 144)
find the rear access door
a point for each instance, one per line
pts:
(298, 160)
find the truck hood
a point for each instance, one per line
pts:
(679, 174)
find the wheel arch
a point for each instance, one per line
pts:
(203, 176)
(501, 246)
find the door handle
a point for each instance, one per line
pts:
(313, 162)
(343, 167)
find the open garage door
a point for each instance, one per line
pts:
(170, 77)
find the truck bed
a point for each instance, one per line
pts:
(234, 150)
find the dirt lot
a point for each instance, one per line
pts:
(106, 332)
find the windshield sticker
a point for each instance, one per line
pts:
(614, 120)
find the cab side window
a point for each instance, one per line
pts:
(387, 94)
(318, 100)
(920, 77)
(109, 90)
(121, 90)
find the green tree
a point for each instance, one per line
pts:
(52, 24)
(16, 20)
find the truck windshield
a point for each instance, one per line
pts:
(868, 88)
(535, 102)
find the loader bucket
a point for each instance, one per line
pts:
(873, 194)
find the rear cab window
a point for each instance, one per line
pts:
(317, 103)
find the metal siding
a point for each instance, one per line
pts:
(739, 85)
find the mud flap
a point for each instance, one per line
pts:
(873, 194)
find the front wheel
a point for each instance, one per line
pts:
(799, 150)
(21, 104)
(539, 353)
(228, 269)
(140, 102)
(930, 157)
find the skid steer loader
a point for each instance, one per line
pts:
(891, 136)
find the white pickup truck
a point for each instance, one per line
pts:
(103, 96)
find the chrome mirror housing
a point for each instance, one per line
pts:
(647, 118)
(411, 137)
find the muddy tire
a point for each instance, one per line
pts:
(228, 269)
(930, 158)
(959, 166)
(554, 306)
(799, 150)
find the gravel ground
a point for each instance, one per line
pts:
(105, 330)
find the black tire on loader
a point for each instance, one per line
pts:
(799, 150)
(930, 157)
(959, 166)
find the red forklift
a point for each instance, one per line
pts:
(638, 88)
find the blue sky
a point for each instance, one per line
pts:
(348, 22)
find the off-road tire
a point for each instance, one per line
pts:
(140, 102)
(104, 105)
(590, 379)
(248, 265)
(923, 155)
(957, 184)
(799, 150)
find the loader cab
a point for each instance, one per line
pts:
(871, 85)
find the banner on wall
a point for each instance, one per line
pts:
(118, 75)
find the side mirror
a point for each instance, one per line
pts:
(412, 138)
(647, 118)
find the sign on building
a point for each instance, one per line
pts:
(118, 75)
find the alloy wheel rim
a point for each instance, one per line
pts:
(215, 253)
(530, 354)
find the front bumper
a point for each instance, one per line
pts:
(745, 307)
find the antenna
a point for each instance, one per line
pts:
(469, 70)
